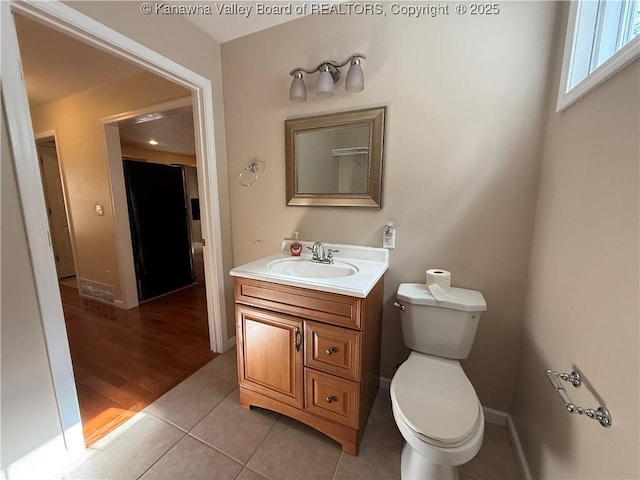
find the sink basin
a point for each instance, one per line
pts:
(355, 271)
(305, 268)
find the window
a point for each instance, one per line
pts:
(603, 37)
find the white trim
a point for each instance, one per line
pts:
(503, 419)
(53, 134)
(37, 229)
(128, 296)
(496, 417)
(63, 18)
(515, 440)
(210, 216)
(159, 107)
(619, 60)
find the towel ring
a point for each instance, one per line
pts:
(252, 169)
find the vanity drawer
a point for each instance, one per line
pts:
(331, 397)
(325, 307)
(332, 349)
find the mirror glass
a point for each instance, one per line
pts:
(335, 159)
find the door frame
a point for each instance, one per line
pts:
(122, 229)
(51, 134)
(61, 17)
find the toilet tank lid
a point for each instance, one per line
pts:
(460, 298)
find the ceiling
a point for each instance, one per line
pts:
(56, 66)
(232, 24)
(173, 132)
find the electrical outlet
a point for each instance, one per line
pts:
(389, 236)
(99, 210)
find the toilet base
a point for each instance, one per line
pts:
(414, 466)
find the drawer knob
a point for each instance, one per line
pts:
(329, 399)
(329, 351)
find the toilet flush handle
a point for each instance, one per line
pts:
(400, 306)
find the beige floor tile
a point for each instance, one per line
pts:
(223, 366)
(191, 459)
(234, 430)
(296, 452)
(250, 475)
(381, 425)
(496, 459)
(375, 461)
(127, 452)
(190, 401)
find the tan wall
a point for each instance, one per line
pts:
(29, 414)
(178, 40)
(465, 100)
(153, 156)
(583, 301)
(81, 147)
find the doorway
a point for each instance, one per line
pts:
(159, 222)
(56, 205)
(160, 217)
(114, 353)
(65, 18)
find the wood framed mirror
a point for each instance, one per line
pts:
(335, 160)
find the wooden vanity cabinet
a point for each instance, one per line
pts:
(310, 355)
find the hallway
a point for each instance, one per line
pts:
(123, 360)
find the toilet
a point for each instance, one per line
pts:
(434, 404)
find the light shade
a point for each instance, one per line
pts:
(330, 71)
(355, 77)
(324, 87)
(298, 90)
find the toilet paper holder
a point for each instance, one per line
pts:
(601, 414)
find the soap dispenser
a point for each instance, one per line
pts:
(296, 246)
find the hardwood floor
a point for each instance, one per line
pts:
(125, 359)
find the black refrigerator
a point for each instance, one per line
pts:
(159, 227)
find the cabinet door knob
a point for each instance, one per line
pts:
(329, 399)
(329, 351)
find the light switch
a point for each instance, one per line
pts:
(99, 209)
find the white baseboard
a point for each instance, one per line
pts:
(503, 419)
(496, 417)
(515, 440)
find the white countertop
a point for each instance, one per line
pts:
(370, 262)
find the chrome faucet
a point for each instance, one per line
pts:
(320, 255)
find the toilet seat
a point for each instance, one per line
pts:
(436, 400)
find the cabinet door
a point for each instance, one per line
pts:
(270, 362)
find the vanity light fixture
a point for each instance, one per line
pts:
(329, 76)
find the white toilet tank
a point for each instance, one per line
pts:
(445, 328)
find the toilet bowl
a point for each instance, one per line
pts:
(434, 404)
(439, 416)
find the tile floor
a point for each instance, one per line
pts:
(198, 430)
